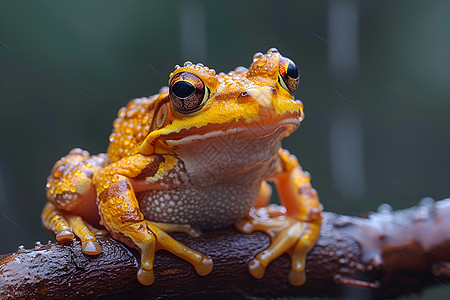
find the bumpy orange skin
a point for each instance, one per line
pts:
(167, 170)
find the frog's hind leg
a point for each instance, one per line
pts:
(72, 199)
(89, 244)
(66, 226)
(54, 221)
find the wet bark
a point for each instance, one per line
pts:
(388, 254)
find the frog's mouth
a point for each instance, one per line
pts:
(251, 130)
(162, 142)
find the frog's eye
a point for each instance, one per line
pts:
(187, 93)
(288, 75)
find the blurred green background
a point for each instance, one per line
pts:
(375, 84)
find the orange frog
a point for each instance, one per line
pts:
(197, 155)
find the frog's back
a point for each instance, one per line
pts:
(134, 122)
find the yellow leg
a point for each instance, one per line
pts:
(149, 239)
(294, 228)
(53, 220)
(185, 228)
(145, 240)
(299, 252)
(121, 215)
(288, 235)
(89, 244)
(66, 226)
(264, 195)
(202, 263)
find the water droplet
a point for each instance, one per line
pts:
(261, 62)
(384, 208)
(257, 56)
(240, 70)
(427, 201)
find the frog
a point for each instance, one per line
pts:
(199, 155)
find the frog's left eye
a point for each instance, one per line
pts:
(187, 93)
(288, 75)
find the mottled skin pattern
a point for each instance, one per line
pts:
(198, 154)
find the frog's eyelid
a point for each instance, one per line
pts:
(206, 96)
(282, 83)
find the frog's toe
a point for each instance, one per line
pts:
(171, 227)
(146, 277)
(101, 233)
(297, 278)
(245, 226)
(66, 226)
(192, 231)
(298, 254)
(204, 267)
(89, 244)
(91, 248)
(53, 220)
(202, 263)
(64, 235)
(288, 235)
(98, 233)
(268, 225)
(256, 268)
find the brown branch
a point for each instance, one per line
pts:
(385, 255)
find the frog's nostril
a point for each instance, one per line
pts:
(262, 95)
(265, 92)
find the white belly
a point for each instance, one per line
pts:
(205, 207)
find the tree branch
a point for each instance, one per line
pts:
(385, 255)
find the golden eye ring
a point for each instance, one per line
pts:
(187, 93)
(288, 75)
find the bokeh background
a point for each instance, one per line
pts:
(375, 82)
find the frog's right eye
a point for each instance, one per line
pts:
(187, 93)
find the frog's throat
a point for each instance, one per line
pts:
(156, 140)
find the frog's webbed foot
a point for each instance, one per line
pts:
(71, 194)
(288, 235)
(66, 225)
(151, 237)
(202, 263)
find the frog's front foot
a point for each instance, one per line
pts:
(202, 263)
(151, 237)
(288, 235)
